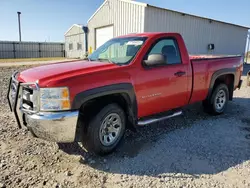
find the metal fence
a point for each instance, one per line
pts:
(14, 49)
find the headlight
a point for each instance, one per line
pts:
(54, 99)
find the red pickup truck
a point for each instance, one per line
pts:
(130, 81)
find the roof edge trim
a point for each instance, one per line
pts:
(77, 25)
(127, 1)
(102, 5)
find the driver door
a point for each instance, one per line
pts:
(163, 87)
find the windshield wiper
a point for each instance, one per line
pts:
(102, 59)
(87, 58)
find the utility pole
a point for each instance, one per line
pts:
(19, 26)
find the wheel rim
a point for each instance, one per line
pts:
(220, 100)
(110, 129)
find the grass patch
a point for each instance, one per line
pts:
(30, 59)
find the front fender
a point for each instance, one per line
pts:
(125, 89)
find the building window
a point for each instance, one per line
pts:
(70, 46)
(79, 46)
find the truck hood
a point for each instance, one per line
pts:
(62, 70)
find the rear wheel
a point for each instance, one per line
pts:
(106, 129)
(217, 103)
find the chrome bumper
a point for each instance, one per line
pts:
(52, 126)
(57, 127)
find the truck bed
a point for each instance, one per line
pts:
(205, 66)
(199, 57)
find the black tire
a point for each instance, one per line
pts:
(210, 105)
(93, 142)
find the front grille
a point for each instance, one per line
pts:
(22, 98)
(28, 90)
(26, 95)
(27, 98)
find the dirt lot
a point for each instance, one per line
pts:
(193, 150)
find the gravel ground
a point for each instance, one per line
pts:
(193, 150)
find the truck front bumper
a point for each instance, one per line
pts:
(52, 126)
(57, 127)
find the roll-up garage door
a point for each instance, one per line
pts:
(103, 35)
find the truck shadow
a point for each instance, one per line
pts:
(186, 146)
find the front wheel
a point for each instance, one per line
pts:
(217, 103)
(106, 129)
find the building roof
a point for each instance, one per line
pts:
(128, 1)
(213, 20)
(74, 25)
(147, 5)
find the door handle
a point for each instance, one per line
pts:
(180, 73)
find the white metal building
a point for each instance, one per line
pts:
(120, 17)
(75, 41)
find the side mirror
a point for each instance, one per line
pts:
(155, 59)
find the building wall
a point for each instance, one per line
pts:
(16, 49)
(197, 32)
(73, 36)
(124, 16)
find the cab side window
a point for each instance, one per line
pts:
(169, 49)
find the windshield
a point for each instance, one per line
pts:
(118, 50)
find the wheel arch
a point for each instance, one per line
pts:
(226, 76)
(91, 101)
